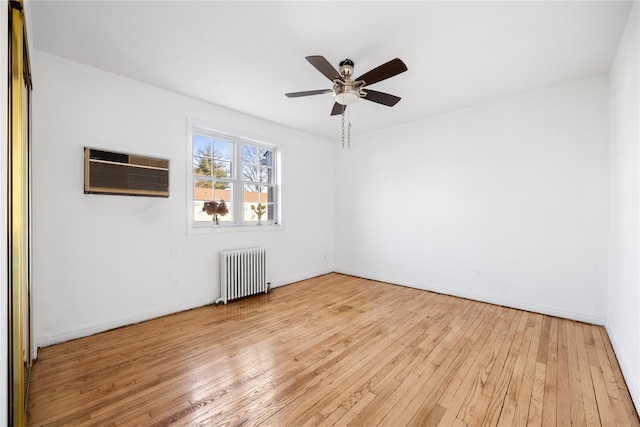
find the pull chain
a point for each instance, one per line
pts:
(349, 132)
(342, 128)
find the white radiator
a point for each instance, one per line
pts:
(243, 272)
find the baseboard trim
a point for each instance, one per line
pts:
(159, 312)
(118, 323)
(632, 385)
(300, 277)
(163, 311)
(551, 311)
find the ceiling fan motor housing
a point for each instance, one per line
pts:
(346, 92)
(346, 68)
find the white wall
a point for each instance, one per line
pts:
(103, 261)
(505, 202)
(623, 314)
(4, 348)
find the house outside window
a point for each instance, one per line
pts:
(233, 180)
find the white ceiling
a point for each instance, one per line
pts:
(246, 55)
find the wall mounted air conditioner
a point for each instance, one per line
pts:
(107, 172)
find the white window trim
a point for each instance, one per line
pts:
(198, 227)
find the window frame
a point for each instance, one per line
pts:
(238, 141)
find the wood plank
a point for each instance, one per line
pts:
(509, 416)
(564, 394)
(526, 388)
(623, 397)
(590, 405)
(599, 382)
(336, 350)
(497, 400)
(474, 409)
(549, 407)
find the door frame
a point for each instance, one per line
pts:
(20, 355)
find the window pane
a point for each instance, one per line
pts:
(222, 169)
(259, 174)
(222, 185)
(201, 166)
(257, 203)
(208, 191)
(256, 164)
(202, 190)
(222, 150)
(265, 174)
(251, 193)
(249, 172)
(265, 157)
(249, 154)
(222, 193)
(201, 146)
(249, 157)
(211, 190)
(256, 173)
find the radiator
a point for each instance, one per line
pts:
(242, 273)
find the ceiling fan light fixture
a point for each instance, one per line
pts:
(347, 97)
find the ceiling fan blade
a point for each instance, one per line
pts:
(384, 71)
(338, 109)
(381, 98)
(307, 93)
(322, 65)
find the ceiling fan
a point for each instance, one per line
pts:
(347, 90)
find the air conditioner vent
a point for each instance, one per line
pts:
(108, 172)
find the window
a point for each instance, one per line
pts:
(233, 180)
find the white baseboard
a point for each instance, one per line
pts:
(152, 314)
(632, 385)
(299, 277)
(140, 317)
(551, 311)
(124, 321)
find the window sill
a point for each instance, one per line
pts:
(214, 229)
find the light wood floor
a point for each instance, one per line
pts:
(336, 350)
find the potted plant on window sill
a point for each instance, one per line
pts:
(215, 208)
(259, 211)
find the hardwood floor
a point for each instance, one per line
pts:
(336, 350)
